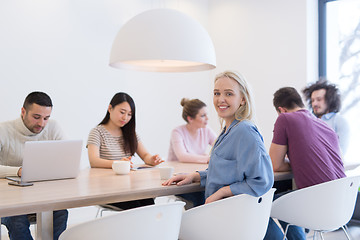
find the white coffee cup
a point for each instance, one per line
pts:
(121, 167)
(166, 172)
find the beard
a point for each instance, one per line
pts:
(319, 114)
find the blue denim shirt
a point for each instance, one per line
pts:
(239, 160)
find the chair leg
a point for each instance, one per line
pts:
(345, 229)
(321, 235)
(99, 212)
(286, 230)
(35, 228)
(315, 235)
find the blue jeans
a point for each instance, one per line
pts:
(18, 226)
(274, 232)
(197, 198)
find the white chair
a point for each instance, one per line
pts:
(106, 207)
(324, 207)
(161, 222)
(238, 217)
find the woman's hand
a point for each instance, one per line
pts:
(155, 160)
(182, 179)
(149, 159)
(128, 159)
(219, 194)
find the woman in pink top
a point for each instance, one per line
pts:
(189, 142)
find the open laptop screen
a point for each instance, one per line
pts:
(50, 160)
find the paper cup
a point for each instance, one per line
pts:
(166, 172)
(121, 167)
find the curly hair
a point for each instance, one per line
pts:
(332, 95)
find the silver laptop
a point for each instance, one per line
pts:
(50, 160)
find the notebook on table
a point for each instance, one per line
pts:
(50, 160)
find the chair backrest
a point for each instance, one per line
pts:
(238, 217)
(326, 206)
(161, 222)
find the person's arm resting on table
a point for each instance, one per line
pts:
(181, 152)
(96, 161)
(149, 159)
(277, 154)
(8, 171)
(183, 179)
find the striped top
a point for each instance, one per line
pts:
(110, 147)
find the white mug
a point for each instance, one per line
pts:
(121, 167)
(166, 172)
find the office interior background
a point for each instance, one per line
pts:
(63, 48)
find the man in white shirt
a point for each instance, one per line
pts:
(33, 125)
(325, 101)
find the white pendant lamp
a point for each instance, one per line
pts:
(163, 40)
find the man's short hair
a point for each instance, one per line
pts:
(287, 97)
(40, 98)
(332, 95)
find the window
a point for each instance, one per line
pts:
(339, 60)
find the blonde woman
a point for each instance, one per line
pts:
(189, 142)
(239, 162)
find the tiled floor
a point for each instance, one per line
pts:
(78, 215)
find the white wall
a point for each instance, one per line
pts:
(62, 48)
(266, 41)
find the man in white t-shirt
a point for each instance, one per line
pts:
(33, 125)
(325, 101)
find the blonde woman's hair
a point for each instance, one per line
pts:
(191, 107)
(246, 111)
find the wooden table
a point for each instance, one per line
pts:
(92, 187)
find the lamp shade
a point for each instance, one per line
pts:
(163, 40)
